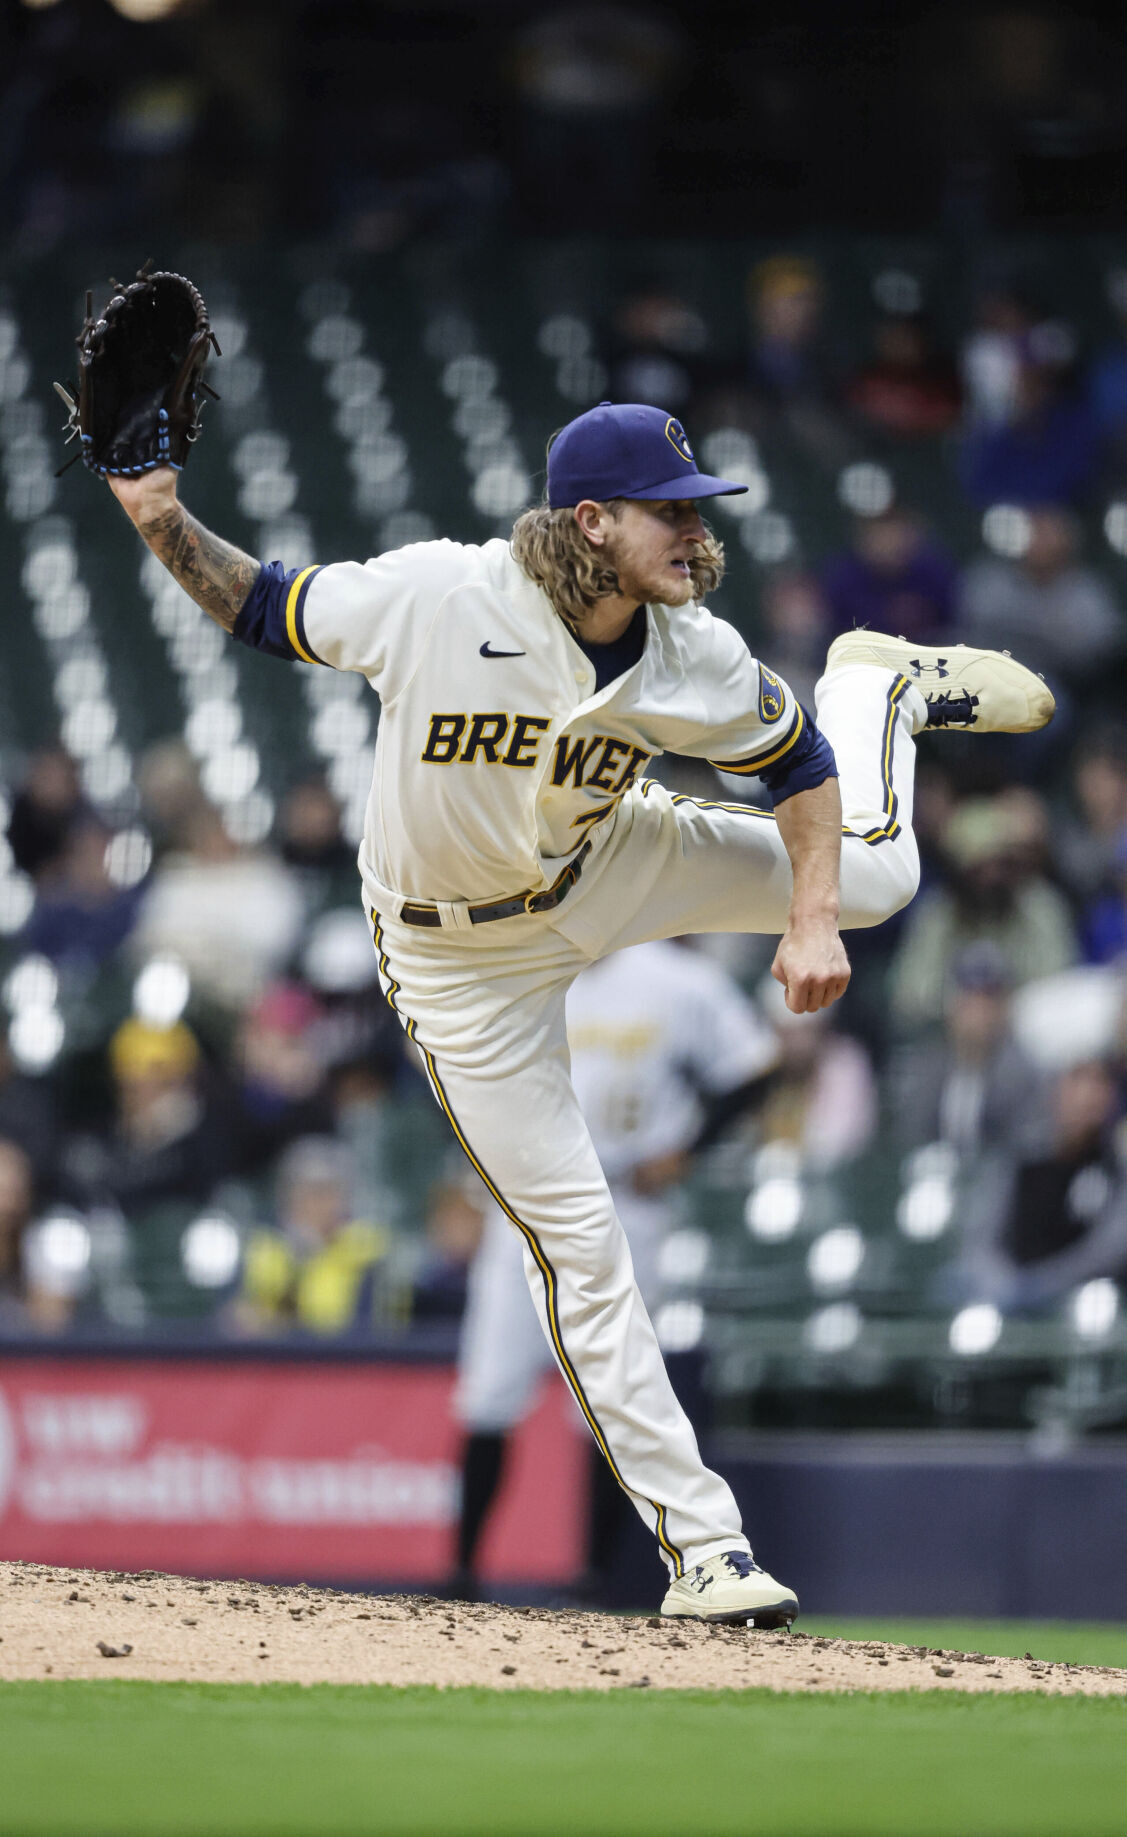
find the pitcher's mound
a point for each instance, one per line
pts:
(83, 1624)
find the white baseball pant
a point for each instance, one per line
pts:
(503, 1353)
(486, 1007)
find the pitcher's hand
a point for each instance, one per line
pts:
(812, 966)
(146, 497)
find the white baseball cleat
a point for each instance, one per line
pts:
(730, 1587)
(987, 691)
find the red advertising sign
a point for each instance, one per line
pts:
(333, 1472)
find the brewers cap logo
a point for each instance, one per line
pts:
(676, 436)
(770, 696)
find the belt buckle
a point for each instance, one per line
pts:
(530, 906)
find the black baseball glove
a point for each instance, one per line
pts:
(140, 376)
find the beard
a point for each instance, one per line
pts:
(662, 583)
(662, 587)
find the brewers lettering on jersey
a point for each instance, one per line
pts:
(512, 837)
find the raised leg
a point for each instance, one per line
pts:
(690, 864)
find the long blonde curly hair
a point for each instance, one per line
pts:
(549, 546)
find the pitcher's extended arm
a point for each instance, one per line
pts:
(216, 574)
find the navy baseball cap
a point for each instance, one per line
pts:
(626, 450)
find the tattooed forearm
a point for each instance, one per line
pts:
(216, 574)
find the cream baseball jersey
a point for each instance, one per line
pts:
(496, 755)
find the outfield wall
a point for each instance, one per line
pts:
(339, 1470)
(341, 1465)
(942, 1523)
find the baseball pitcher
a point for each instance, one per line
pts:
(513, 837)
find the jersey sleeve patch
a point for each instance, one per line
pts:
(771, 696)
(752, 765)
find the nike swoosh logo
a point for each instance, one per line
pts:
(486, 652)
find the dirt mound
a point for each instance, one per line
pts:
(83, 1624)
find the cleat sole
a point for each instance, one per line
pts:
(768, 1618)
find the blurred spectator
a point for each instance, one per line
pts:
(1086, 844)
(976, 1087)
(368, 1117)
(232, 914)
(339, 961)
(894, 578)
(319, 1266)
(656, 350)
(309, 839)
(823, 1096)
(1037, 1227)
(45, 810)
(1054, 613)
(28, 1115)
(1078, 1013)
(453, 1233)
(165, 1142)
(787, 360)
(796, 629)
(1103, 923)
(168, 780)
(872, 951)
(26, 1298)
(907, 387)
(373, 1089)
(934, 804)
(80, 917)
(992, 356)
(278, 1075)
(1046, 452)
(996, 894)
(790, 372)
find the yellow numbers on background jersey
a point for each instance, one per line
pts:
(623, 1112)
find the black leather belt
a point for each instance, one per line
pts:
(417, 913)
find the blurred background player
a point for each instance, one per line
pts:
(666, 1052)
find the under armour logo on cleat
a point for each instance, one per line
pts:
(486, 652)
(938, 668)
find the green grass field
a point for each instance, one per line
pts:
(169, 1760)
(1071, 1642)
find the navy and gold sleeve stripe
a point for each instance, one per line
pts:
(760, 762)
(273, 616)
(799, 763)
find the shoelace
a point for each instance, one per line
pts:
(948, 710)
(741, 1564)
